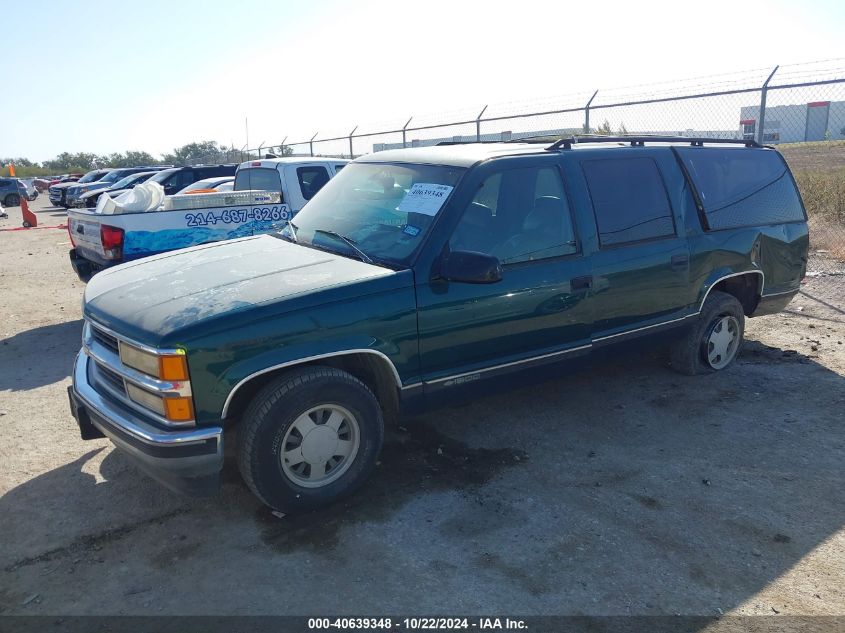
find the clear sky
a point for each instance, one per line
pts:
(105, 76)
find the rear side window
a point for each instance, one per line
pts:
(629, 200)
(260, 178)
(311, 180)
(742, 186)
(182, 179)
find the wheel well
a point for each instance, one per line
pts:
(370, 369)
(746, 288)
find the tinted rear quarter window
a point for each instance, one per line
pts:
(629, 200)
(311, 180)
(742, 186)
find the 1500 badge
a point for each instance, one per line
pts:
(238, 216)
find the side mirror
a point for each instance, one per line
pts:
(471, 268)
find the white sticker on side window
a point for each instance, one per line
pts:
(425, 198)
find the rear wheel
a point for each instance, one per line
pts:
(309, 438)
(715, 340)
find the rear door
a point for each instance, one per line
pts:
(640, 258)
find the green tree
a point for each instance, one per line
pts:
(19, 162)
(604, 128)
(132, 158)
(82, 161)
(203, 151)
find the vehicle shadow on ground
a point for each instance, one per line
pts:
(621, 489)
(19, 368)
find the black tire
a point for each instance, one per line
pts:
(274, 410)
(689, 355)
(12, 200)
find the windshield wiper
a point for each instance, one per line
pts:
(349, 242)
(293, 229)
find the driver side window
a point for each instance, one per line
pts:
(518, 215)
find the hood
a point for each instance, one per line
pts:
(159, 297)
(64, 185)
(97, 192)
(91, 186)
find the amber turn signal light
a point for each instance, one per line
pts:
(173, 368)
(178, 409)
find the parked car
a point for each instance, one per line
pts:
(58, 191)
(126, 183)
(42, 184)
(112, 177)
(11, 191)
(268, 194)
(66, 178)
(420, 276)
(175, 179)
(28, 188)
(210, 185)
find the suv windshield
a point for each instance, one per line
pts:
(113, 176)
(161, 176)
(384, 209)
(91, 176)
(125, 182)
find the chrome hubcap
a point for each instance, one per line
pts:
(722, 342)
(320, 446)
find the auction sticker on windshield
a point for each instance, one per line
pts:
(425, 198)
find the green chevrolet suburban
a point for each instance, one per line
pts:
(419, 276)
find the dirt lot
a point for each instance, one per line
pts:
(627, 489)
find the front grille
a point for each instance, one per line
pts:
(104, 339)
(110, 379)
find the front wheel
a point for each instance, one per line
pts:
(12, 200)
(714, 341)
(309, 438)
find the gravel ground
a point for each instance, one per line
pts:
(625, 489)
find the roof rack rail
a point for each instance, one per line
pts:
(445, 143)
(641, 140)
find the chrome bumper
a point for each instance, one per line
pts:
(187, 461)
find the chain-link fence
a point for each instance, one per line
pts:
(800, 109)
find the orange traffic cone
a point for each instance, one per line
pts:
(29, 219)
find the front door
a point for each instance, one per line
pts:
(538, 311)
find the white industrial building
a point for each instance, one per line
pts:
(815, 121)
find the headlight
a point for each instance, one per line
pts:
(145, 398)
(174, 408)
(83, 190)
(174, 404)
(170, 367)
